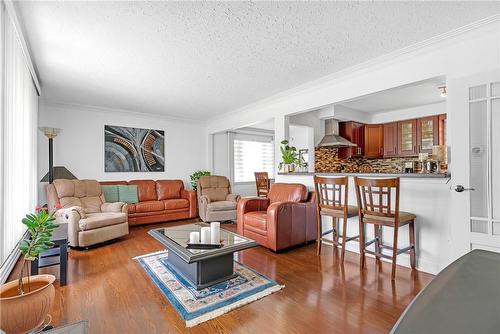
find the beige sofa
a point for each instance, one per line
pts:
(90, 219)
(215, 201)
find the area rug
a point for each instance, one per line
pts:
(197, 306)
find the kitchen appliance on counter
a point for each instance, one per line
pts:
(410, 167)
(431, 166)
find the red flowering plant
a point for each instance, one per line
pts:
(40, 227)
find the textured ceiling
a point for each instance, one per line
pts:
(199, 59)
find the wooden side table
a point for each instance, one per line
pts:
(57, 255)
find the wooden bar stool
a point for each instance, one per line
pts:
(377, 207)
(262, 183)
(332, 198)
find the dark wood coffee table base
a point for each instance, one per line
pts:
(204, 273)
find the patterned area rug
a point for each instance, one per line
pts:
(197, 306)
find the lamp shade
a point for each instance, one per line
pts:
(60, 172)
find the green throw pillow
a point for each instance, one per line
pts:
(128, 194)
(110, 193)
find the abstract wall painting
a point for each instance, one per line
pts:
(133, 149)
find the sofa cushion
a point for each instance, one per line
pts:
(148, 206)
(127, 194)
(221, 206)
(64, 188)
(146, 189)
(168, 189)
(91, 204)
(177, 203)
(256, 221)
(67, 202)
(110, 193)
(98, 220)
(131, 208)
(214, 187)
(287, 192)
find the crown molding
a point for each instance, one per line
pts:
(18, 28)
(491, 22)
(83, 107)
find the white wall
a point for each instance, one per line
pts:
(409, 113)
(80, 145)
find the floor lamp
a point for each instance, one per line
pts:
(50, 133)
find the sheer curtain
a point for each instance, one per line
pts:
(18, 130)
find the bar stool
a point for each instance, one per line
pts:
(374, 198)
(332, 199)
(262, 183)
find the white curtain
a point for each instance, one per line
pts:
(18, 130)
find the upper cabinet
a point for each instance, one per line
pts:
(396, 139)
(427, 134)
(354, 132)
(407, 137)
(374, 141)
(391, 139)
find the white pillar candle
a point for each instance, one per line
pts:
(205, 235)
(215, 233)
(194, 237)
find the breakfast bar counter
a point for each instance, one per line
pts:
(428, 196)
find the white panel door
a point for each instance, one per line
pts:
(475, 126)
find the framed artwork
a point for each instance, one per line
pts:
(133, 149)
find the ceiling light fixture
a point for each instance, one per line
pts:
(443, 93)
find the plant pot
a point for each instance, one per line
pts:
(288, 168)
(22, 313)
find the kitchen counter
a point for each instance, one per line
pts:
(402, 175)
(428, 196)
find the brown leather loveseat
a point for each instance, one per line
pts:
(159, 201)
(286, 218)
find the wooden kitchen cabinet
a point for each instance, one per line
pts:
(354, 132)
(427, 133)
(373, 140)
(407, 137)
(391, 139)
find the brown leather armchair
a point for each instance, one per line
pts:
(286, 218)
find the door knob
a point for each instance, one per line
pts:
(459, 188)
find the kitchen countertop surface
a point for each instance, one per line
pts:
(406, 175)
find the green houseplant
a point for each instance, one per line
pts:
(196, 175)
(25, 303)
(289, 156)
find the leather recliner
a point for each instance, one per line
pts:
(90, 220)
(286, 218)
(215, 200)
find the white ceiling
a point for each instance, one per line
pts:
(199, 59)
(412, 95)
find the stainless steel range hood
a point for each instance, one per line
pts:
(332, 138)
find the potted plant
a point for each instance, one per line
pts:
(25, 302)
(289, 156)
(196, 175)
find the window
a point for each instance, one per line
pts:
(18, 141)
(252, 154)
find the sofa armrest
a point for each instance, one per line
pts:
(71, 216)
(114, 207)
(248, 205)
(287, 218)
(233, 197)
(190, 195)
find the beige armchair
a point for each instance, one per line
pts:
(215, 201)
(90, 220)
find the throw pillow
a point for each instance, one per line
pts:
(110, 193)
(128, 194)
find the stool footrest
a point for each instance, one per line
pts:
(378, 254)
(327, 232)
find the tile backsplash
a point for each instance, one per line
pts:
(327, 161)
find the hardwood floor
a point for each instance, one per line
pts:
(111, 291)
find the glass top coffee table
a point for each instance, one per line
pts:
(201, 267)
